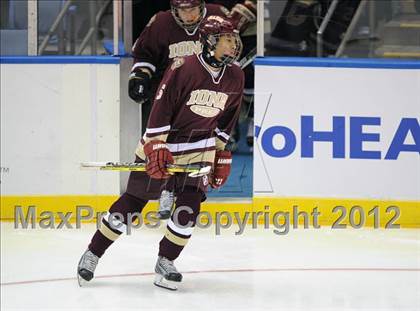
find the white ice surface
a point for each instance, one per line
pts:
(309, 269)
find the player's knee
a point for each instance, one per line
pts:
(127, 205)
(187, 206)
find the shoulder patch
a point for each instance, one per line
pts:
(178, 62)
(151, 21)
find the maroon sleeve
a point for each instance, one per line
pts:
(230, 116)
(163, 108)
(149, 46)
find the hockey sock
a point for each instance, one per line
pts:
(127, 205)
(181, 223)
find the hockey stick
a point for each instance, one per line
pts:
(248, 58)
(193, 170)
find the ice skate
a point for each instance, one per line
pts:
(167, 276)
(166, 202)
(86, 267)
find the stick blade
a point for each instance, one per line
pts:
(93, 164)
(201, 172)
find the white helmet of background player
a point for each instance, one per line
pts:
(221, 42)
(188, 13)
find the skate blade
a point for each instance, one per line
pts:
(160, 281)
(82, 282)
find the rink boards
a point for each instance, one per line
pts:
(338, 132)
(328, 133)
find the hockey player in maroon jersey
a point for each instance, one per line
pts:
(196, 106)
(168, 35)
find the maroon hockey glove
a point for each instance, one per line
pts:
(158, 157)
(242, 15)
(221, 169)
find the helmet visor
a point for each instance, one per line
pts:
(228, 47)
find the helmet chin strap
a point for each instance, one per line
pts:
(209, 58)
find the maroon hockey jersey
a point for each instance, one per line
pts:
(163, 40)
(193, 111)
